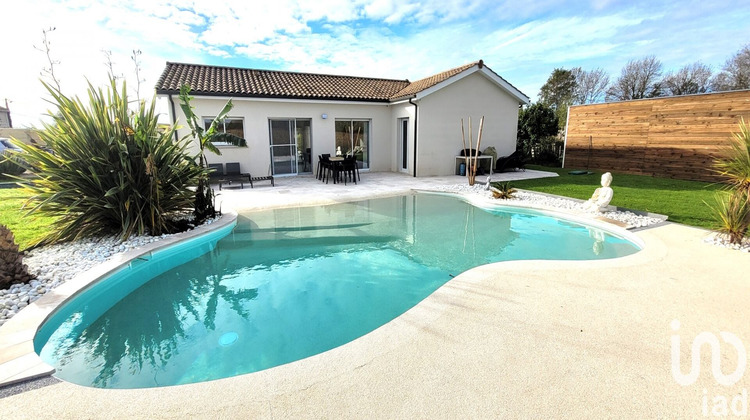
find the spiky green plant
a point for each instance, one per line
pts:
(733, 165)
(502, 190)
(732, 214)
(109, 170)
(204, 199)
(734, 162)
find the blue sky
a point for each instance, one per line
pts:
(411, 39)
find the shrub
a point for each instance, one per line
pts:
(733, 211)
(732, 215)
(109, 170)
(502, 190)
(12, 269)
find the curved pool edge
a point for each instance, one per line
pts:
(18, 360)
(39, 368)
(599, 221)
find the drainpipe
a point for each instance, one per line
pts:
(174, 116)
(416, 113)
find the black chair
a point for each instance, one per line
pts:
(233, 174)
(323, 165)
(512, 161)
(216, 174)
(349, 169)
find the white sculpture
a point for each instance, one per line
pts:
(601, 197)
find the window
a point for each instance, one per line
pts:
(228, 125)
(353, 137)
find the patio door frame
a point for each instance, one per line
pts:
(292, 145)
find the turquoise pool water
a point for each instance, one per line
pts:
(286, 284)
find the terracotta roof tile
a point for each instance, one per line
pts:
(228, 81)
(415, 87)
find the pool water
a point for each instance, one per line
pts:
(286, 284)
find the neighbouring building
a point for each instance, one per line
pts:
(288, 118)
(5, 121)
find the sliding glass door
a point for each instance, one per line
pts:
(353, 137)
(291, 146)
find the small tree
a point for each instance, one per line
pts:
(536, 124)
(590, 85)
(558, 93)
(204, 198)
(735, 75)
(639, 79)
(690, 79)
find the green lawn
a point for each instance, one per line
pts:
(27, 229)
(683, 201)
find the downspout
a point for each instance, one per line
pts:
(416, 114)
(174, 116)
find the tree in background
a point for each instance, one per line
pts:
(735, 75)
(537, 126)
(590, 85)
(639, 79)
(558, 94)
(690, 79)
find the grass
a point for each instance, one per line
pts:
(683, 201)
(27, 229)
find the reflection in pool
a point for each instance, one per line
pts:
(290, 283)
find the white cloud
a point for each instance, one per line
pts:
(382, 38)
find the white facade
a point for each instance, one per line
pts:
(436, 111)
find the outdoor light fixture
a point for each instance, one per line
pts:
(324, 116)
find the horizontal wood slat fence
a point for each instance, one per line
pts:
(674, 137)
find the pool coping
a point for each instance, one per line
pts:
(18, 360)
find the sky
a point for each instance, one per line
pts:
(523, 41)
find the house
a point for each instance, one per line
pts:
(5, 121)
(289, 118)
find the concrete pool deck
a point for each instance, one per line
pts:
(512, 339)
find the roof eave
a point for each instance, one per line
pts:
(291, 97)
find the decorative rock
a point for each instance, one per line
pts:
(53, 265)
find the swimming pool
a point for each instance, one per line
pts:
(289, 283)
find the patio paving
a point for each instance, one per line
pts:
(290, 191)
(520, 339)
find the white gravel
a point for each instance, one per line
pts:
(55, 264)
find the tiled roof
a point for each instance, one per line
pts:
(415, 87)
(238, 82)
(228, 81)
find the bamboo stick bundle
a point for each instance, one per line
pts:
(479, 142)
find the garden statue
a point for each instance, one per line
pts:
(601, 197)
(338, 151)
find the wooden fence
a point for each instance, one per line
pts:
(673, 137)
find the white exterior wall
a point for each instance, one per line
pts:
(256, 158)
(398, 111)
(440, 113)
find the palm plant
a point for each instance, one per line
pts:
(109, 170)
(204, 199)
(733, 211)
(502, 190)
